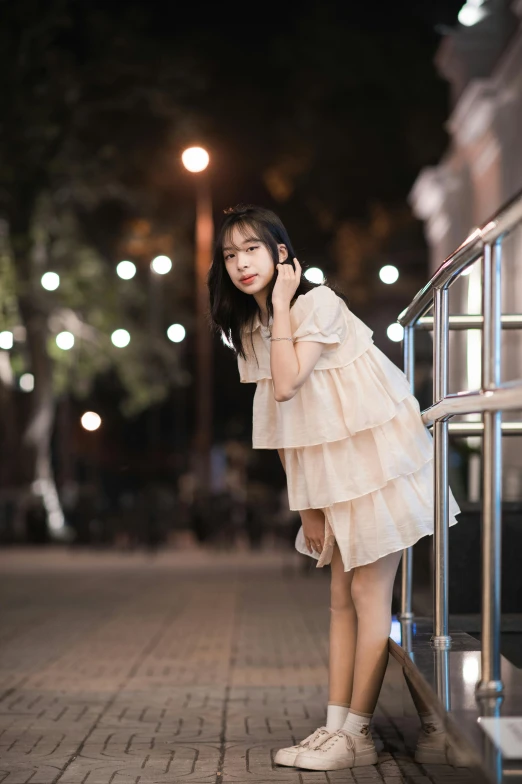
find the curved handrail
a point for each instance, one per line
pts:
(467, 253)
(508, 396)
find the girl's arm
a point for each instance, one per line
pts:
(312, 521)
(290, 363)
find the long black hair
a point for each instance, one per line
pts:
(232, 312)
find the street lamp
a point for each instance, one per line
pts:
(120, 338)
(65, 340)
(389, 273)
(27, 382)
(6, 340)
(50, 281)
(314, 275)
(126, 270)
(196, 160)
(161, 265)
(91, 421)
(176, 333)
(395, 332)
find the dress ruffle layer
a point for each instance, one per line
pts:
(337, 471)
(381, 522)
(332, 404)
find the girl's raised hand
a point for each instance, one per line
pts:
(286, 284)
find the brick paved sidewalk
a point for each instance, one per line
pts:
(120, 668)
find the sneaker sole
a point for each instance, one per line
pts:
(312, 763)
(286, 758)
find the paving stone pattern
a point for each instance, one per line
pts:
(132, 669)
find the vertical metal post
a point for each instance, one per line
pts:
(407, 554)
(442, 678)
(441, 637)
(490, 679)
(490, 707)
(204, 238)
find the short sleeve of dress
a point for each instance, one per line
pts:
(319, 317)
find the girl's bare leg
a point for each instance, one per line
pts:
(343, 633)
(371, 589)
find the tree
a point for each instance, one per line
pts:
(89, 107)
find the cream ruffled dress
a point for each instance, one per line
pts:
(354, 442)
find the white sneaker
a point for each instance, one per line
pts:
(288, 755)
(340, 750)
(433, 748)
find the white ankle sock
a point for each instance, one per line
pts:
(431, 723)
(336, 716)
(357, 725)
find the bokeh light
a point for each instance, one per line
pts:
(472, 12)
(50, 281)
(6, 340)
(314, 275)
(91, 420)
(65, 340)
(26, 382)
(120, 338)
(176, 333)
(161, 265)
(395, 332)
(389, 273)
(195, 159)
(126, 270)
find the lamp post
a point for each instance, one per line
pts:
(196, 160)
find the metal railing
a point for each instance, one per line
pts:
(491, 399)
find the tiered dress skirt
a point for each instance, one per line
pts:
(355, 446)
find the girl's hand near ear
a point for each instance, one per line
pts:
(286, 284)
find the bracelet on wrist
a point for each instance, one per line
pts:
(292, 339)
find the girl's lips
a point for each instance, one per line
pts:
(249, 280)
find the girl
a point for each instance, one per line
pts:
(357, 455)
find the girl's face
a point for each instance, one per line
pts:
(249, 262)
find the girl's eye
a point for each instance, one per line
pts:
(228, 256)
(253, 247)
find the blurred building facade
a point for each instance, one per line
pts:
(480, 171)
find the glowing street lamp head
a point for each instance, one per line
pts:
(65, 340)
(161, 265)
(91, 420)
(126, 270)
(27, 382)
(472, 12)
(389, 273)
(6, 340)
(50, 281)
(195, 159)
(120, 338)
(314, 275)
(395, 332)
(176, 333)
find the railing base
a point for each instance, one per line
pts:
(484, 688)
(442, 641)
